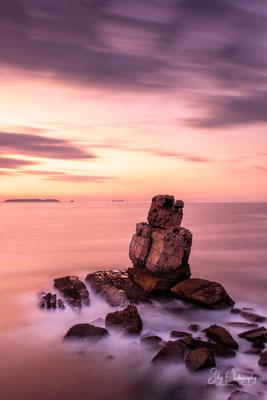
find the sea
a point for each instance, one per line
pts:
(43, 241)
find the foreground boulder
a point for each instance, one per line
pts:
(127, 321)
(73, 290)
(203, 293)
(220, 335)
(117, 288)
(199, 359)
(171, 352)
(86, 332)
(160, 249)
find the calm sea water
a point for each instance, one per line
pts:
(40, 242)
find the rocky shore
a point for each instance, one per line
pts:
(159, 251)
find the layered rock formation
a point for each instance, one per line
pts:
(160, 249)
(73, 290)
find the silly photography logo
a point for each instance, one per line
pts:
(231, 378)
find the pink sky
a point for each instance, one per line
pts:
(178, 119)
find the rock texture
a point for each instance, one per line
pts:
(127, 321)
(171, 352)
(255, 334)
(220, 335)
(49, 300)
(160, 249)
(117, 288)
(203, 293)
(199, 359)
(86, 332)
(73, 290)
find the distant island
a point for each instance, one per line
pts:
(32, 201)
(118, 201)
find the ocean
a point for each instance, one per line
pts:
(43, 241)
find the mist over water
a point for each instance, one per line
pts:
(40, 242)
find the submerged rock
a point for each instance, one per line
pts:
(49, 300)
(73, 290)
(199, 359)
(127, 321)
(179, 334)
(220, 335)
(86, 332)
(242, 325)
(202, 292)
(117, 288)
(160, 249)
(171, 352)
(263, 359)
(252, 317)
(151, 342)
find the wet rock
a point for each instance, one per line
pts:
(194, 327)
(254, 334)
(151, 342)
(242, 325)
(263, 359)
(258, 344)
(127, 321)
(117, 287)
(199, 359)
(86, 332)
(202, 292)
(252, 351)
(221, 336)
(179, 334)
(240, 395)
(73, 290)
(214, 348)
(235, 311)
(171, 352)
(49, 300)
(252, 317)
(160, 249)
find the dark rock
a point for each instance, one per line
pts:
(252, 351)
(86, 332)
(194, 327)
(258, 344)
(235, 311)
(171, 352)
(254, 334)
(263, 359)
(49, 300)
(242, 325)
(239, 395)
(165, 212)
(252, 317)
(214, 348)
(151, 342)
(127, 321)
(117, 288)
(179, 334)
(220, 335)
(73, 290)
(199, 359)
(203, 293)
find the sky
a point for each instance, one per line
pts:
(115, 99)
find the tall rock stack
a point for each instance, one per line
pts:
(160, 249)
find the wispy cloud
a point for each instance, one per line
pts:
(42, 146)
(14, 163)
(67, 177)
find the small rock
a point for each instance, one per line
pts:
(179, 334)
(171, 352)
(239, 395)
(263, 359)
(258, 344)
(49, 300)
(242, 325)
(127, 321)
(203, 293)
(252, 317)
(60, 304)
(252, 351)
(254, 334)
(235, 311)
(151, 342)
(220, 335)
(86, 332)
(194, 327)
(73, 290)
(199, 359)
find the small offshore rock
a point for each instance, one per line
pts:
(242, 325)
(252, 317)
(73, 290)
(254, 334)
(171, 352)
(199, 359)
(194, 327)
(235, 311)
(240, 395)
(86, 332)
(179, 334)
(203, 293)
(127, 321)
(221, 336)
(263, 359)
(49, 300)
(151, 342)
